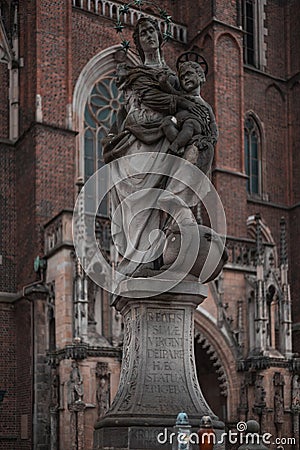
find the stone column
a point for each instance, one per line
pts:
(296, 415)
(77, 410)
(158, 376)
(54, 428)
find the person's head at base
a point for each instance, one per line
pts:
(191, 76)
(147, 36)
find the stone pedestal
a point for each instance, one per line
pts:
(158, 376)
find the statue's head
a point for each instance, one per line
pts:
(192, 66)
(143, 42)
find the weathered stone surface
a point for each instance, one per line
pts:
(158, 377)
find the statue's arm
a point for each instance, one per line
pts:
(166, 103)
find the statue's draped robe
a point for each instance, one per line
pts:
(140, 189)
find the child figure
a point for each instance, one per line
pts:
(189, 127)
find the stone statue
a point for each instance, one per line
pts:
(160, 116)
(187, 126)
(103, 388)
(54, 389)
(259, 391)
(75, 385)
(296, 393)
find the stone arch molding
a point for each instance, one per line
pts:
(251, 114)
(276, 88)
(222, 36)
(216, 362)
(219, 350)
(100, 64)
(265, 230)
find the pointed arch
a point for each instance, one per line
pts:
(225, 35)
(265, 230)
(278, 89)
(95, 98)
(267, 237)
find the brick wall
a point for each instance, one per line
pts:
(229, 98)
(24, 374)
(293, 18)
(227, 11)
(46, 185)
(234, 204)
(8, 424)
(276, 38)
(8, 218)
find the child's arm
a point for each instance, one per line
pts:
(165, 85)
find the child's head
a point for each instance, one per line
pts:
(191, 75)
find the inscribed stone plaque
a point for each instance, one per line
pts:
(165, 382)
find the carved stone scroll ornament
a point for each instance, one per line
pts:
(103, 388)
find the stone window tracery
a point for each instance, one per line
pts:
(100, 111)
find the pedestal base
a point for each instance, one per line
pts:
(158, 375)
(146, 438)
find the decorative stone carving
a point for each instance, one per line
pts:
(77, 426)
(80, 302)
(259, 392)
(222, 377)
(278, 382)
(278, 402)
(92, 289)
(54, 407)
(243, 404)
(158, 377)
(103, 388)
(54, 390)
(75, 386)
(296, 393)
